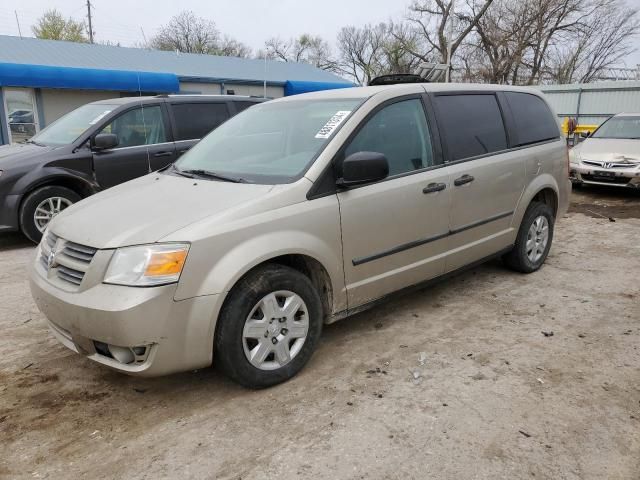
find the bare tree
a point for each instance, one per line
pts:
(432, 19)
(306, 48)
(551, 40)
(230, 47)
(600, 41)
(189, 33)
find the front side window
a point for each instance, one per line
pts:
(619, 127)
(534, 121)
(472, 124)
(195, 120)
(400, 132)
(140, 126)
(273, 142)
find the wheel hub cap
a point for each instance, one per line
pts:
(47, 210)
(275, 330)
(537, 239)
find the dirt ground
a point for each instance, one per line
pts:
(495, 398)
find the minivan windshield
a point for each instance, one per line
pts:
(619, 127)
(69, 127)
(273, 142)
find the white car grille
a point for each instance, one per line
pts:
(70, 260)
(609, 164)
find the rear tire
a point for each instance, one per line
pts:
(237, 347)
(52, 199)
(534, 239)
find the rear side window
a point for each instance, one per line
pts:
(472, 125)
(195, 120)
(533, 120)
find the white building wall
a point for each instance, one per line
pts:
(56, 103)
(200, 88)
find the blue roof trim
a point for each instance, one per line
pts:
(43, 76)
(297, 87)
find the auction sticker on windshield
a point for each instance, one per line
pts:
(332, 124)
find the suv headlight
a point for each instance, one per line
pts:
(147, 265)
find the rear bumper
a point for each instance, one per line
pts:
(169, 336)
(9, 205)
(580, 173)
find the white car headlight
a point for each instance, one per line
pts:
(147, 265)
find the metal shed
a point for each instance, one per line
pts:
(593, 103)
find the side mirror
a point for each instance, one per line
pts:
(363, 167)
(105, 141)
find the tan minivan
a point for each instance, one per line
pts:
(299, 212)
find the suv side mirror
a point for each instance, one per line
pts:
(363, 167)
(105, 141)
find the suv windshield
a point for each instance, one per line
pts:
(619, 127)
(270, 142)
(69, 127)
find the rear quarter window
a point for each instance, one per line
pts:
(533, 119)
(196, 120)
(472, 124)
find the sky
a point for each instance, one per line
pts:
(250, 21)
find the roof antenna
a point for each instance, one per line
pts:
(18, 22)
(144, 124)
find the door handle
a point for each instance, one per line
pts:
(463, 179)
(183, 151)
(434, 187)
(162, 154)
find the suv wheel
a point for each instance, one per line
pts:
(40, 206)
(534, 239)
(268, 327)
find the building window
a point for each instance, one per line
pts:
(22, 115)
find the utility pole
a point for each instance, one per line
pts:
(450, 41)
(18, 22)
(89, 16)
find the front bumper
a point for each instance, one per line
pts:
(617, 177)
(169, 336)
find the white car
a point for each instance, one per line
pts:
(611, 155)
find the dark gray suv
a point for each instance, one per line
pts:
(100, 145)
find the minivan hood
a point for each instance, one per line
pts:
(610, 150)
(18, 153)
(149, 208)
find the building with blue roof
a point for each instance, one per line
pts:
(41, 80)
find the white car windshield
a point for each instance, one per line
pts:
(619, 127)
(273, 142)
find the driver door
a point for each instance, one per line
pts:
(144, 145)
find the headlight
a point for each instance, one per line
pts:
(147, 265)
(574, 155)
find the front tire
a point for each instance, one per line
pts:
(534, 239)
(268, 328)
(40, 206)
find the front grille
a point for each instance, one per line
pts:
(71, 260)
(612, 164)
(602, 179)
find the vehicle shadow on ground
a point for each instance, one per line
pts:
(14, 241)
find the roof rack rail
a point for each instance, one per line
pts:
(396, 78)
(427, 72)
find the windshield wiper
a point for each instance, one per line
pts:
(35, 143)
(210, 174)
